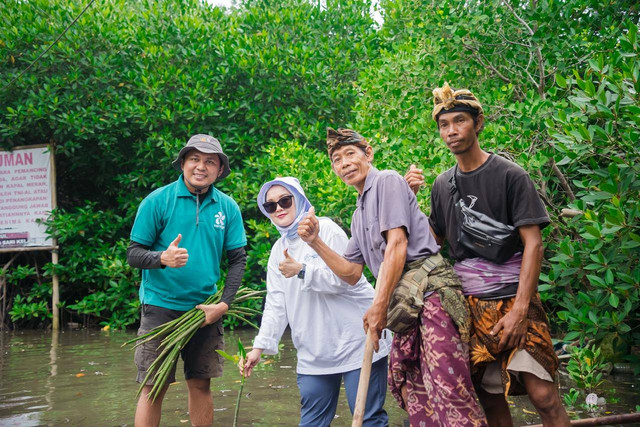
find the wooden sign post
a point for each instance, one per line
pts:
(27, 194)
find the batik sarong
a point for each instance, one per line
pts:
(485, 314)
(432, 362)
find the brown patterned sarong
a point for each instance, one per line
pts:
(483, 346)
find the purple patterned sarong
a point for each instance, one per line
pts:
(432, 362)
(480, 276)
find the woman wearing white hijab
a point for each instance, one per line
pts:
(323, 312)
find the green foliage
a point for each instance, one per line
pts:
(586, 367)
(570, 399)
(93, 270)
(32, 307)
(28, 309)
(597, 263)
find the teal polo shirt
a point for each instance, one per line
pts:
(171, 210)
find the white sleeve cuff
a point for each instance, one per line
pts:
(268, 345)
(308, 277)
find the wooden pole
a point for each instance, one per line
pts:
(3, 291)
(55, 299)
(365, 372)
(604, 421)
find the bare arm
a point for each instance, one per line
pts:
(308, 230)
(395, 256)
(514, 324)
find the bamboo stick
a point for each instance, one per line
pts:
(603, 421)
(365, 371)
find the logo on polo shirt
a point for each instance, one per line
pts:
(219, 223)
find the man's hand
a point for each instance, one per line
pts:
(376, 319)
(309, 227)
(514, 327)
(289, 267)
(253, 358)
(174, 256)
(414, 178)
(212, 312)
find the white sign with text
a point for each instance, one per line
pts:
(25, 197)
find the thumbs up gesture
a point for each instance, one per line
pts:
(289, 267)
(174, 256)
(309, 227)
(414, 178)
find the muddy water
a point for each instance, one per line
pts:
(84, 378)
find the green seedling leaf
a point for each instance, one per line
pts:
(234, 358)
(241, 350)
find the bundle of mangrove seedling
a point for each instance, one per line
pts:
(176, 334)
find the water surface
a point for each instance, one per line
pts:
(85, 378)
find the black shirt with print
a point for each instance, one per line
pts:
(499, 188)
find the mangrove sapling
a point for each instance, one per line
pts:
(571, 398)
(240, 355)
(176, 333)
(586, 367)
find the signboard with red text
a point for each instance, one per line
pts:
(26, 196)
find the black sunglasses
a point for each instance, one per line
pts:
(284, 202)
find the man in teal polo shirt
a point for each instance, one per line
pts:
(179, 235)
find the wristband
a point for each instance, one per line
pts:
(302, 271)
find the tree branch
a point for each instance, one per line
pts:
(562, 179)
(541, 83)
(522, 21)
(486, 64)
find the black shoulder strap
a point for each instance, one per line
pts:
(453, 185)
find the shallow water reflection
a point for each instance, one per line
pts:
(86, 378)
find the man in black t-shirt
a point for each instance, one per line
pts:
(511, 349)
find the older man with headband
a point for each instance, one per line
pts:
(428, 372)
(511, 348)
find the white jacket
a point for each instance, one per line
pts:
(323, 312)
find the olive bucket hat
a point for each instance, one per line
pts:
(205, 144)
